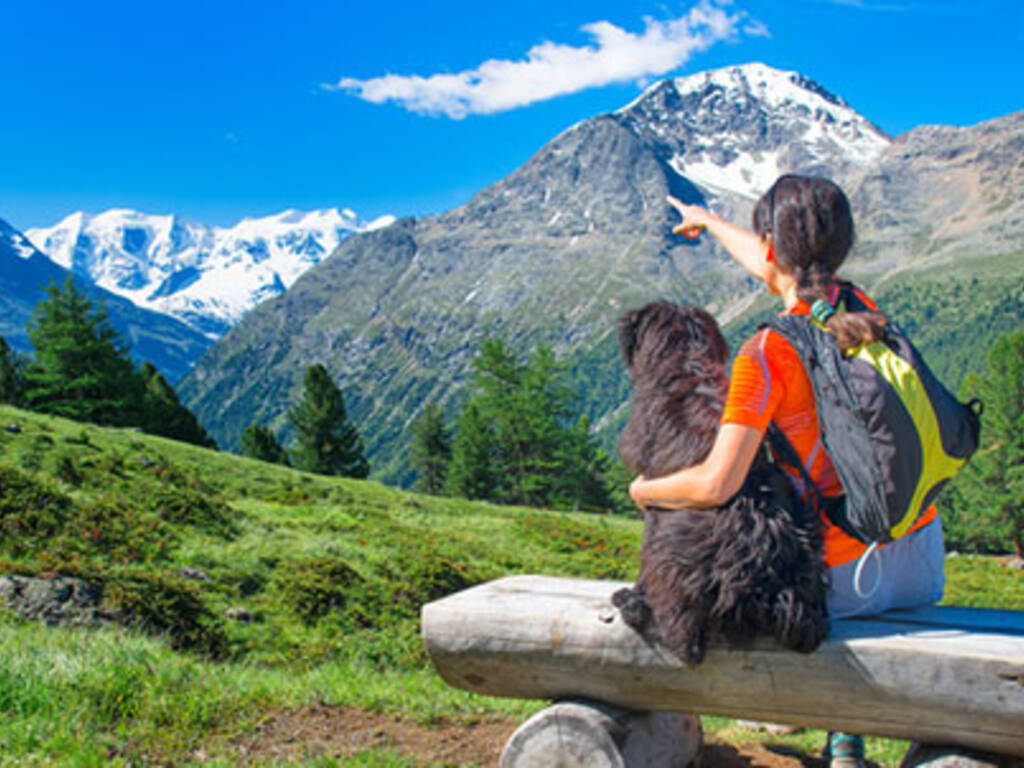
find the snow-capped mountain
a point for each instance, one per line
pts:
(25, 274)
(208, 277)
(737, 129)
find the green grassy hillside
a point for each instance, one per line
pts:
(330, 572)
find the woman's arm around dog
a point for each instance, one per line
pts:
(708, 484)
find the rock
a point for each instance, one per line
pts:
(238, 614)
(13, 428)
(193, 573)
(61, 600)
(775, 729)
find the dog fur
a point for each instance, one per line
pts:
(752, 566)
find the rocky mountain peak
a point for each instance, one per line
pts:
(735, 130)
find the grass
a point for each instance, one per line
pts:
(331, 571)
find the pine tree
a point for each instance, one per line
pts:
(81, 369)
(540, 430)
(10, 374)
(327, 442)
(991, 488)
(163, 414)
(471, 471)
(585, 471)
(516, 442)
(431, 449)
(258, 442)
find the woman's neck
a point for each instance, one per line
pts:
(790, 298)
(786, 287)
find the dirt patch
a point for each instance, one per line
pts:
(322, 731)
(341, 732)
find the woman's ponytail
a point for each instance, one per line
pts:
(851, 329)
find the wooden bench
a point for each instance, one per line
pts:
(952, 676)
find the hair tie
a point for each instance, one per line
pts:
(821, 311)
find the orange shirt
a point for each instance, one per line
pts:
(768, 384)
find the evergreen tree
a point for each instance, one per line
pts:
(471, 469)
(585, 471)
(327, 442)
(258, 442)
(81, 369)
(991, 488)
(497, 380)
(516, 441)
(163, 414)
(431, 449)
(11, 369)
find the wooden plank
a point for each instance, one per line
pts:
(916, 677)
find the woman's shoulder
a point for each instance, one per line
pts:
(767, 344)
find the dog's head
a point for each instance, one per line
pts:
(676, 359)
(661, 331)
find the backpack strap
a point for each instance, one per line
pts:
(835, 402)
(784, 452)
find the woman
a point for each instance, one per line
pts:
(802, 233)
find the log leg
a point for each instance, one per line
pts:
(948, 756)
(590, 734)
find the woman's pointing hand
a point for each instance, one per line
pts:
(695, 218)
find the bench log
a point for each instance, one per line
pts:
(937, 676)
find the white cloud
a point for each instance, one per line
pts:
(755, 28)
(554, 69)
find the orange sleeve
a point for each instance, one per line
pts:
(756, 387)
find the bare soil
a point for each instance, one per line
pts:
(340, 732)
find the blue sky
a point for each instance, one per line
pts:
(217, 111)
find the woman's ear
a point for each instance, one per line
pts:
(769, 253)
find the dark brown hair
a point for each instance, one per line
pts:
(811, 226)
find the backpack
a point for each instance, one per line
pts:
(893, 432)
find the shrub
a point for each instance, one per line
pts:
(184, 505)
(32, 513)
(67, 470)
(159, 604)
(121, 532)
(421, 575)
(316, 586)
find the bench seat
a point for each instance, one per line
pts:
(939, 675)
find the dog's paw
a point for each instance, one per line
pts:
(689, 649)
(633, 608)
(686, 637)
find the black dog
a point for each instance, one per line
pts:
(754, 565)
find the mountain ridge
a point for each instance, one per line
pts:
(204, 276)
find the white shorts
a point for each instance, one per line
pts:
(908, 573)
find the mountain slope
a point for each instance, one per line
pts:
(553, 253)
(207, 277)
(24, 274)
